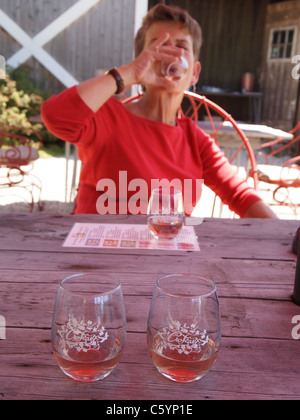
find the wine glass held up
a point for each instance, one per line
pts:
(89, 326)
(165, 213)
(176, 70)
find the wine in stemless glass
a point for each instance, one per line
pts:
(91, 365)
(184, 330)
(184, 365)
(165, 227)
(165, 213)
(89, 326)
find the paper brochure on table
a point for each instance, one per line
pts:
(124, 236)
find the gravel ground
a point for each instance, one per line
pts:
(55, 193)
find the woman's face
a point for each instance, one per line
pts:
(179, 38)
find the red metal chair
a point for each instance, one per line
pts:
(18, 152)
(279, 165)
(241, 156)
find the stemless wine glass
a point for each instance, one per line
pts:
(175, 70)
(89, 326)
(184, 327)
(165, 213)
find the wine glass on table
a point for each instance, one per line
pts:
(89, 326)
(165, 213)
(184, 327)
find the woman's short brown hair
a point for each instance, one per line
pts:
(163, 13)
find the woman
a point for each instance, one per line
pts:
(144, 140)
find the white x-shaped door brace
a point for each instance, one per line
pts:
(33, 46)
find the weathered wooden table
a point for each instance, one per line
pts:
(251, 262)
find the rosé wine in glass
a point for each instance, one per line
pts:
(89, 326)
(176, 70)
(181, 365)
(90, 365)
(165, 227)
(184, 327)
(165, 213)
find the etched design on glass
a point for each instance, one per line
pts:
(81, 336)
(185, 339)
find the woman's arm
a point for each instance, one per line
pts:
(220, 176)
(95, 92)
(259, 210)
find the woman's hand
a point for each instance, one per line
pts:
(146, 68)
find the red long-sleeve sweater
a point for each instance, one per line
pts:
(117, 147)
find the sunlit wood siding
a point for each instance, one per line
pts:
(100, 39)
(232, 33)
(280, 89)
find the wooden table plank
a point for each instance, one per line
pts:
(253, 378)
(240, 317)
(216, 236)
(250, 261)
(233, 277)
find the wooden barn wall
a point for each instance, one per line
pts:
(281, 90)
(100, 39)
(233, 33)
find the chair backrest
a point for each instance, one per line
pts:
(280, 148)
(225, 131)
(18, 149)
(279, 171)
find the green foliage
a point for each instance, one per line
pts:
(19, 101)
(24, 81)
(16, 106)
